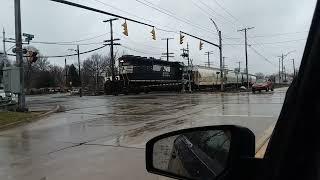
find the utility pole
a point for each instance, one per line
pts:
(246, 52)
(223, 62)
(189, 69)
(285, 74)
(112, 55)
(208, 53)
(80, 78)
(19, 55)
(66, 71)
(167, 54)
(294, 68)
(279, 71)
(282, 70)
(4, 42)
(239, 62)
(282, 58)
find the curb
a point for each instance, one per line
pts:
(263, 141)
(30, 119)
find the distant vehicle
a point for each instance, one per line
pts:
(262, 84)
(75, 91)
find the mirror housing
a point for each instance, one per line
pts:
(241, 147)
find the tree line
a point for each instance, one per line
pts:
(42, 74)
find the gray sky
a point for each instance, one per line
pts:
(280, 27)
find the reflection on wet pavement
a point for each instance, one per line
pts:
(104, 137)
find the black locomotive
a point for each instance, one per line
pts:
(141, 74)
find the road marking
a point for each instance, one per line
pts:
(261, 144)
(245, 115)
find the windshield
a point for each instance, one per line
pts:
(260, 81)
(88, 83)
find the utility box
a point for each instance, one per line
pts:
(11, 79)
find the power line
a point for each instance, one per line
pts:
(213, 11)
(99, 11)
(139, 51)
(265, 43)
(278, 34)
(168, 13)
(67, 55)
(263, 57)
(142, 44)
(64, 44)
(236, 19)
(72, 42)
(136, 16)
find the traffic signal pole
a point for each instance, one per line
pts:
(19, 55)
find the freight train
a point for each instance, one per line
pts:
(209, 77)
(141, 74)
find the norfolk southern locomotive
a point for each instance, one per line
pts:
(141, 74)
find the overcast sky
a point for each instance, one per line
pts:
(279, 27)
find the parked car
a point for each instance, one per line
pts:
(262, 84)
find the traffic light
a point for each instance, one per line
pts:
(125, 28)
(153, 32)
(200, 45)
(181, 38)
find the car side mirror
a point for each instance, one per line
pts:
(210, 152)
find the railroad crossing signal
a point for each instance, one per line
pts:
(200, 45)
(181, 38)
(125, 28)
(153, 32)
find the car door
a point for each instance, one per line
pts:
(294, 149)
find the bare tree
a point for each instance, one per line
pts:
(260, 75)
(4, 61)
(56, 75)
(93, 69)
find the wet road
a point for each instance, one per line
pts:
(103, 137)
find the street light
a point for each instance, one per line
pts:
(77, 50)
(282, 58)
(220, 49)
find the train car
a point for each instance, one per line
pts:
(139, 74)
(252, 79)
(231, 78)
(205, 77)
